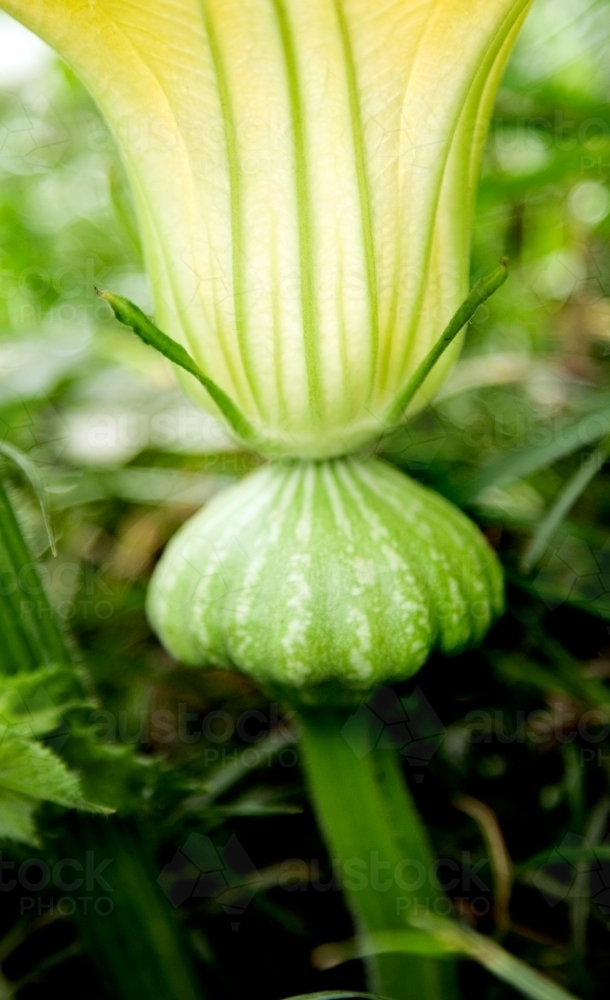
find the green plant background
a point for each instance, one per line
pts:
(126, 458)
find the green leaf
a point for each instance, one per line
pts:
(34, 703)
(112, 774)
(17, 818)
(32, 769)
(30, 773)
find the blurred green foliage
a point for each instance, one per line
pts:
(126, 458)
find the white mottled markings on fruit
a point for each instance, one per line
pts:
(360, 654)
(305, 522)
(298, 581)
(262, 546)
(342, 521)
(300, 604)
(317, 572)
(346, 474)
(366, 571)
(214, 559)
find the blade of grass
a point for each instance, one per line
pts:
(403, 942)
(508, 968)
(585, 431)
(224, 777)
(34, 635)
(497, 852)
(554, 596)
(586, 853)
(450, 937)
(563, 678)
(336, 995)
(21, 460)
(580, 897)
(563, 505)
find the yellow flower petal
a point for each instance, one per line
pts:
(303, 172)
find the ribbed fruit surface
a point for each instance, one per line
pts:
(324, 575)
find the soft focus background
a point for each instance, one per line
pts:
(519, 436)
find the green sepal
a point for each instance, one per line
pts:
(482, 290)
(131, 315)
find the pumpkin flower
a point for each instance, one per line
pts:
(303, 173)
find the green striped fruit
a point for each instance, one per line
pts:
(324, 578)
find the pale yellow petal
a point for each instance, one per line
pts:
(303, 173)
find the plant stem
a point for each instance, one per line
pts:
(377, 843)
(128, 930)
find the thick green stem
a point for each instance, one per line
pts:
(377, 843)
(128, 928)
